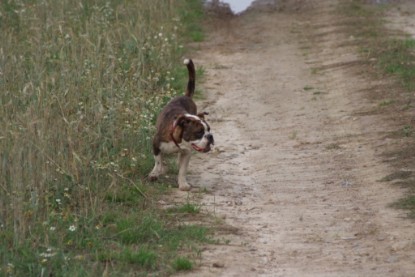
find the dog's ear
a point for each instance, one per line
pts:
(202, 115)
(181, 121)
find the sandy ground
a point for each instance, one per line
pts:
(297, 162)
(401, 18)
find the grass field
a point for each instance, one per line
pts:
(80, 84)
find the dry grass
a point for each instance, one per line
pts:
(81, 82)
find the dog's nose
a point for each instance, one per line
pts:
(210, 139)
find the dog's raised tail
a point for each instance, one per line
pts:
(192, 77)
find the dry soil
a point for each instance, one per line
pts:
(296, 167)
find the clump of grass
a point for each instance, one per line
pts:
(407, 131)
(293, 135)
(81, 86)
(315, 70)
(398, 59)
(386, 102)
(407, 203)
(127, 194)
(182, 264)
(188, 208)
(398, 175)
(394, 56)
(307, 88)
(144, 258)
(333, 146)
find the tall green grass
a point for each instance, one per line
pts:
(80, 85)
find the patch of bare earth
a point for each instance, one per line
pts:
(401, 17)
(297, 162)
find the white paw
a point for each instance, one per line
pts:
(184, 186)
(158, 170)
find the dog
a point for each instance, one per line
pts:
(180, 129)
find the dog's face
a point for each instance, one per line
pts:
(195, 132)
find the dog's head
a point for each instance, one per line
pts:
(194, 131)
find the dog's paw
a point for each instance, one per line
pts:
(152, 178)
(184, 187)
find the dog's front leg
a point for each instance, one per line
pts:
(184, 158)
(158, 169)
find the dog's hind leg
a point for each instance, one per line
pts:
(184, 158)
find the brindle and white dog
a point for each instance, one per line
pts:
(179, 130)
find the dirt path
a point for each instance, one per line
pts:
(296, 167)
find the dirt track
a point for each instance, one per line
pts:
(296, 167)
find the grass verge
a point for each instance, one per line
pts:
(81, 84)
(391, 56)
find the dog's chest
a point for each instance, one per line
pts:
(170, 147)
